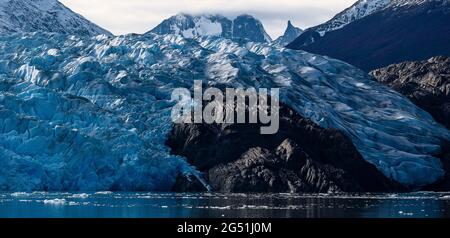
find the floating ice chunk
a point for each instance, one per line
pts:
(103, 192)
(20, 194)
(55, 202)
(80, 195)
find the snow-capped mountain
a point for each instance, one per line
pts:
(289, 35)
(360, 9)
(402, 3)
(94, 114)
(189, 26)
(44, 15)
(357, 11)
(405, 30)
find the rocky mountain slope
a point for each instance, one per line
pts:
(44, 15)
(405, 30)
(360, 9)
(301, 157)
(426, 83)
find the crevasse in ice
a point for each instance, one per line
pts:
(93, 113)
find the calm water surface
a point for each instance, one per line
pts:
(170, 205)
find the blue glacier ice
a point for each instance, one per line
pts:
(79, 113)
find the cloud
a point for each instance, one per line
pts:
(139, 16)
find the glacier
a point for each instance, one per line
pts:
(93, 113)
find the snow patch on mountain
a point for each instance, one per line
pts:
(203, 27)
(357, 11)
(191, 26)
(402, 3)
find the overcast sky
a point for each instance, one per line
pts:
(139, 16)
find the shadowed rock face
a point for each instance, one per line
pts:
(358, 10)
(301, 157)
(426, 83)
(403, 31)
(307, 38)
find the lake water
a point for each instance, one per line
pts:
(171, 205)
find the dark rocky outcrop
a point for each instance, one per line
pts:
(301, 157)
(426, 83)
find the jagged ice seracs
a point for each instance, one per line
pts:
(80, 113)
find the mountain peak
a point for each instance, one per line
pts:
(289, 35)
(291, 28)
(245, 15)
(44, 15)
(246, 26)
(289, 24)
(243, 26)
